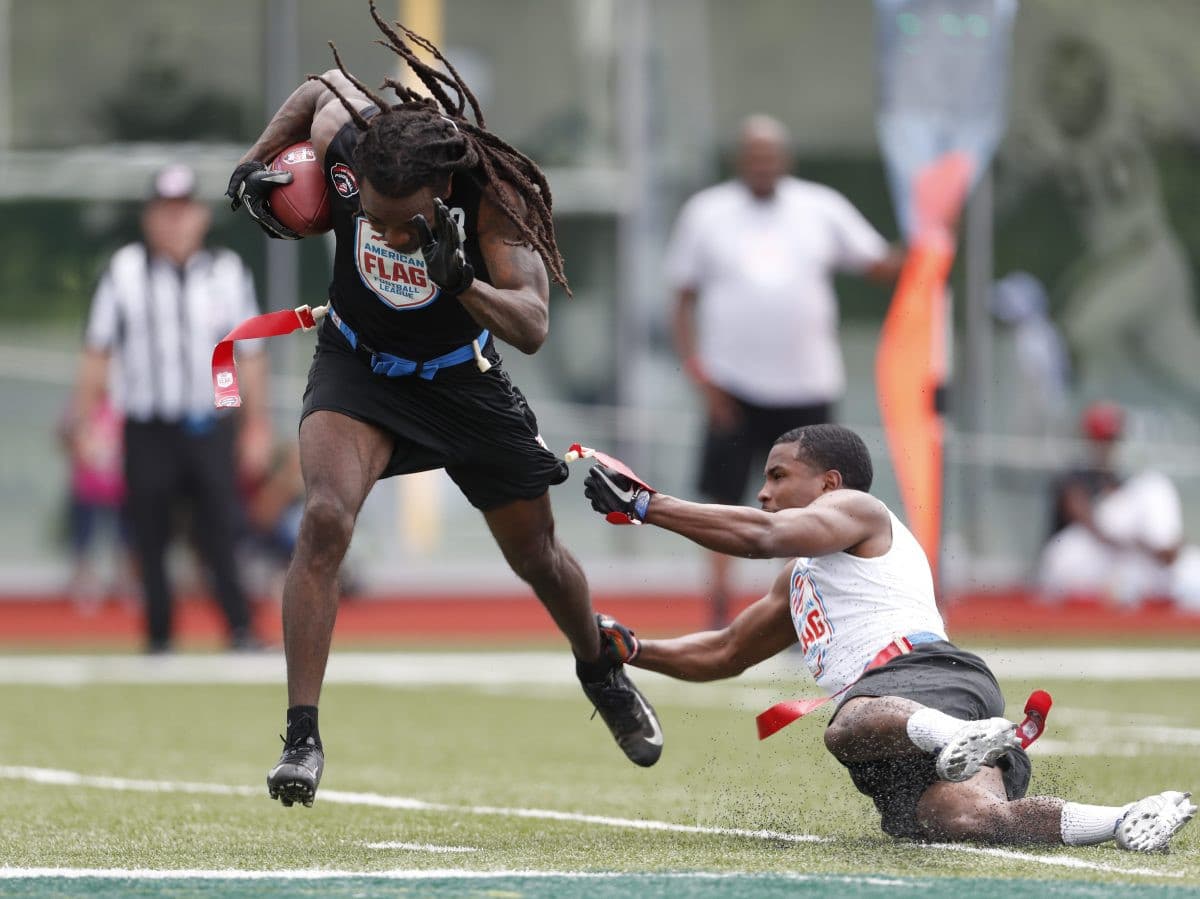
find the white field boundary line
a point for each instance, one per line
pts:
(542, 669)
(71, 778)
(444, 874)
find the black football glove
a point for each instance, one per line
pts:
(250, 186)
(445, 262)
(612, 493)
(618, 643)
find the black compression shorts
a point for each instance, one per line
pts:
(943, 677)
(474, 424)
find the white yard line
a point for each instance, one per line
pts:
(1062, 861)
(442, 874)
(420, 847)
(502, 669)
(72, 778)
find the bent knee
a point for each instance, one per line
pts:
(328, 521)
(848, 728)
(836, 737)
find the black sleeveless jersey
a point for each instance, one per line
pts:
(383, 294)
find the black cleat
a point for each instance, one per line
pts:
(628, 715)
(298, 772)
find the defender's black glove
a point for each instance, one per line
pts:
(250, 186)
(445, 262)
(613, 493)
(618, 643)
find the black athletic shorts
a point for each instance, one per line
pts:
(943, 677)
(474, 424)
(728, 454)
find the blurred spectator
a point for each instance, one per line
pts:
(1043, 367)
(94, 505)
(1115, 537)
(161, 306)
(752, 262)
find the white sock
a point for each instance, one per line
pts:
(930, 729)
(1087, 825)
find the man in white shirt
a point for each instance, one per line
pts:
(752, 262)
(918, 723)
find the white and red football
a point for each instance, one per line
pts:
(302, 205)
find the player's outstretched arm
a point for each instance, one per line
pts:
(832, 522)
(764, 629)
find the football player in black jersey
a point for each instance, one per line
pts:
(444, 238)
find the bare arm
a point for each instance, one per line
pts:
(516, 305)
(683, 330)
(835, 521)
(887, 269)
(311, 112)
(91, 385)
(761, 631)
(722, 410)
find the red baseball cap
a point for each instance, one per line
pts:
(1103, 421)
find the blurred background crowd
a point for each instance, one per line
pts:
(1074, 283)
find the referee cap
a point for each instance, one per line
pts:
(173, 182)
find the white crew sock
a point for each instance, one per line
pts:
(1087, 825)
(930, 729)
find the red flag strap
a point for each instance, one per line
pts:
(272, 324)
(782, 714)
(579, 451)
(1037, 710)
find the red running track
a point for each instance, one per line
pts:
(47, 620)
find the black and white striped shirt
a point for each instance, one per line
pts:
(161, 322)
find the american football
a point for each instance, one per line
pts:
(302, 205)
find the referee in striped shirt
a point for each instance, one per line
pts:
(161, 306)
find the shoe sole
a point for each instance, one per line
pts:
(967, 752)
(1152, 830)
(290, 792)
(641, 750)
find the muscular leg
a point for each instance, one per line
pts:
(872, 727)
(979, 809)
(341, 459)
(524, 531)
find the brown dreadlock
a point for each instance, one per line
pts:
(439, 140)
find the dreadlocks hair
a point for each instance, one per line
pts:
(439, 140)
(836, 447)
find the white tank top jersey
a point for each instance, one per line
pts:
(846, 609)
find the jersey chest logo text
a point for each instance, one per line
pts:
(343, 179)
(809, 617)
(399, 279)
